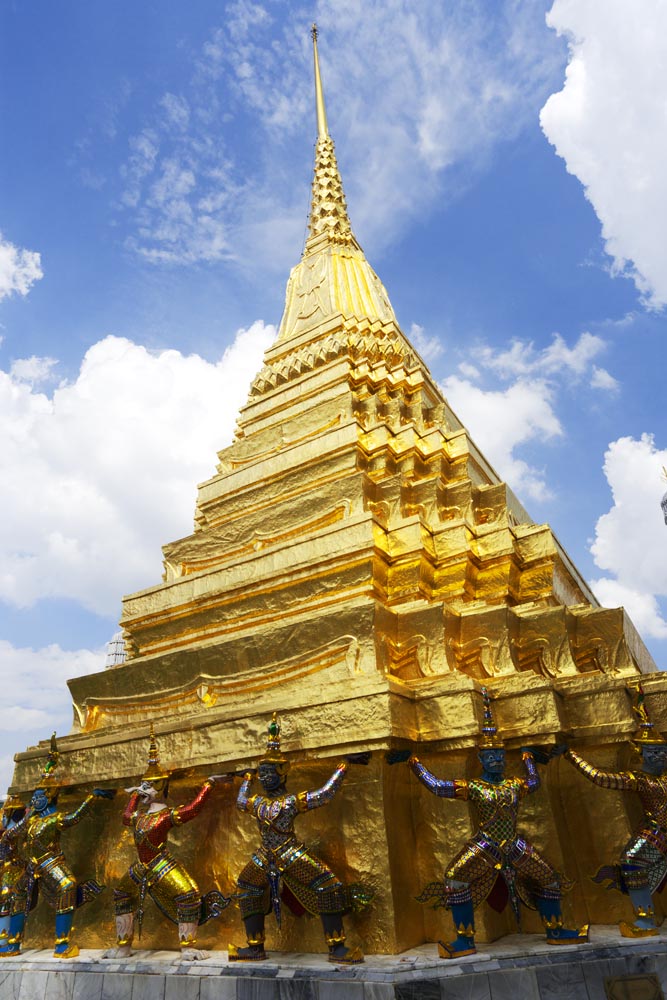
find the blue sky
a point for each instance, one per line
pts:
(503, 166)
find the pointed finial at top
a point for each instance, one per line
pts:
(154, 771)
(322, 127)
(647, 734)
(490, 739)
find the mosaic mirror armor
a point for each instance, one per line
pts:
(37, 839)
(282, 869)
(642, 867)
(157, 873)
(12, 863)
(496, 863)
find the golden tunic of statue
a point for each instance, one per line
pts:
(157, 873)
(46, 871)
(497, 861)
(642, 867)
(12, 862)
(283, 868)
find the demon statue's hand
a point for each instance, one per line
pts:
(397, 756)
(104, 793)
(541, 755)
(358, 758)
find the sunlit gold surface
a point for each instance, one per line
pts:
(357, 565)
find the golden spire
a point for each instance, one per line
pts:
(322, 128)
(333, 278)
(329, 222)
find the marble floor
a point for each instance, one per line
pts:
(517, 967)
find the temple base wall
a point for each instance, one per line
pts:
(383, 828)
(608, 968)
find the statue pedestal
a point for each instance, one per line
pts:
(518, 966)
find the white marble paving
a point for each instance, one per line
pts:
(182, 988)
(218, 989)
(10, 985)
(494, 973)
(116, 986)
(60, 985)
(33, 984)
(87, 986)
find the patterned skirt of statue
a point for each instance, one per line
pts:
(172, 889)
(54, 879)
(485, 869)
(303, 882)
(10, 880)
(642, 865)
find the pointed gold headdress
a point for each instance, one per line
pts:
(490, 739)
(647, 735)
(274, 754)
(47, 780)
(154, 771)
(10, 803)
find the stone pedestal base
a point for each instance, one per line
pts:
(518, 967)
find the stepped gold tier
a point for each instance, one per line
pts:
(357, 566)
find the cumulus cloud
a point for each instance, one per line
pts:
(601, 379)
(521, 358)
(626, 544)
(445, 85)
(609, 123)
(429, 348)
(35, 695)
(19, 269)
(520, 406)
(95, 477)
(500, 421)
(33, 369)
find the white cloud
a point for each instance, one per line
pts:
(503, 419)
(642, 607)
(429, 348)
(34, 370)
(19, 269)
(609, 123)
(35, 698)
(627, 538)
(97, 476)
(521, 358)
(445, 86)
(140, 163)
(177, 110)
(575, 359)
(468, 370)
(601, 379)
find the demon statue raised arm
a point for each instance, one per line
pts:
(46, 866)
(642, 867)
(496, 859)
(282, 869)
(157, 873)
(12, 863)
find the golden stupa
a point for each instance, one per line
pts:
(357, 565)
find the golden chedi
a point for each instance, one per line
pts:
(357, 565)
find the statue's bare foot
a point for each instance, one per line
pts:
(122, 951)
(192, 955)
